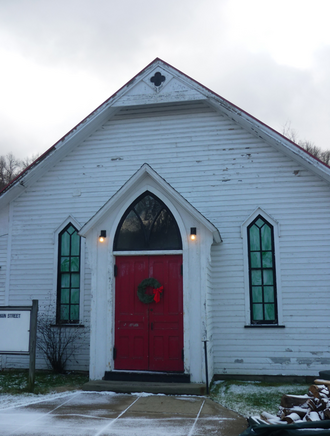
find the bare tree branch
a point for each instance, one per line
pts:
(309, 146)
(58, 342)
(10, 167)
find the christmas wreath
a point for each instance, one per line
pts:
(157, 290)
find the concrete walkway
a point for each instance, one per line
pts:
(110, 414)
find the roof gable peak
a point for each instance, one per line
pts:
(158, 83)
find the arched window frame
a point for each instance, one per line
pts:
(69, 220)
(131, 208)
(250, 322)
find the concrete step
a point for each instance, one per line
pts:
(153, 388)
(147, 376)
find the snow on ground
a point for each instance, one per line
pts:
(251, 398)
(8, 401)
(78, 413)
(237, 397)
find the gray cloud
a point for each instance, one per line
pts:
(102, 44)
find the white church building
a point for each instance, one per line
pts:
(166, 218)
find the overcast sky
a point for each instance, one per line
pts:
(61, 59)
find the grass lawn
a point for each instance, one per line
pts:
(252, 398)
(15, 382)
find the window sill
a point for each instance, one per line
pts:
(68, 325)
(273, 326)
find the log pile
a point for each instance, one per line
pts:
(314, 406)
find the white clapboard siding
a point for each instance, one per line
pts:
(224, 172)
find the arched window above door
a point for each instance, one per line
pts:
(147, 224)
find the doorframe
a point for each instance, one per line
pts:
(184, 237)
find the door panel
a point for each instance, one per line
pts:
(166, 336)
(149, 336)
(131, 324)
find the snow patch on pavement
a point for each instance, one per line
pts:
(8, 401)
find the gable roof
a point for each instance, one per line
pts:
(142, 90)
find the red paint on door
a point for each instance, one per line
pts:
(149, 336)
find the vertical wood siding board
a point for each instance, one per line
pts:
(3, 267)
(209, 302)
(9, 255)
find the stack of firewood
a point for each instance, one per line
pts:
(314, 406)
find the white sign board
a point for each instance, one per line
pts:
(14, 330)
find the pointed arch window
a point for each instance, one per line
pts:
(147, 224)
(68, 283)
(262, 274)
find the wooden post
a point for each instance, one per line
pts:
(33, 343)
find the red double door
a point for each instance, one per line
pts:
(149, 336)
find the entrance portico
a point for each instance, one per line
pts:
(162, 349)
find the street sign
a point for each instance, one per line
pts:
(15, 330)
(18, 333)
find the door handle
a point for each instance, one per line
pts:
(152, 326)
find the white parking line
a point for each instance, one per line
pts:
(116, 419)
(195, 422)
(44, 414)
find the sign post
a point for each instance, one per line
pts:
(18, 334)
(33, 344)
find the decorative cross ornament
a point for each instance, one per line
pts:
(157, 79)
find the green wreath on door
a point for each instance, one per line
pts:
(157, 290)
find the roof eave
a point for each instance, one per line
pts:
(272, 137)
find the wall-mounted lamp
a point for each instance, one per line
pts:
(103, 235)
(193, 233)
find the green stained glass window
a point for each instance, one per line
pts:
(267, 259)
(269, 294)
(64, 311)
(266, 237)
(75, 244)
(65, 244)
(268, 277)
(65, 263)
(254, 238)
(255, 259)
(269, 312)
(68, 294)
(262, 272)
(75, 296)
(74, 312)
(256, 277)
(75, 279)
(65, 296)
(65, 280)
(75, 264)
(257, 294)
(257, 312)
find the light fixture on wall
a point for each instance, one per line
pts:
(193, 233)
(103, 235)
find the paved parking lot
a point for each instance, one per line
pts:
(109, 414)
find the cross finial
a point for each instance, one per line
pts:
(157, 79)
